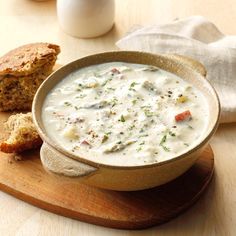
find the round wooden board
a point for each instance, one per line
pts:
(28, 181)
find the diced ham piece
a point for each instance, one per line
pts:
(85, 142)
(186, 115)
(115, 71)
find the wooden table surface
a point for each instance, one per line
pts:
(25, 21)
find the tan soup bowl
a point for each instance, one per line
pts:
(57, 160)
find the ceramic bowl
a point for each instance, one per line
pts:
(58, 161)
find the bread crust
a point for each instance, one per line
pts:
(16, 93)
(27, 59)
(22, 70)
(20, 147)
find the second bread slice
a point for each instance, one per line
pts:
(22, 134)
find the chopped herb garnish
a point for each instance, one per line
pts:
(186, 144)
(141, 130)
(131, 87)
(67, 103)
(148, 113)
(163, 140)
(113, 102)
(82, 95)
(190, 127)
(131, 127)
(134, 101)
(133, 84)
(147, 106)
(166, 148)
(139, 149)
(143, 135)
(111, 89)
(105, 138)
(172, 134)
(122, 119)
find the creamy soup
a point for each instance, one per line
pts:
(125, 114)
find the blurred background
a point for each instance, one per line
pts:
(29, 28)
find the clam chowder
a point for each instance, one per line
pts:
(125, 114)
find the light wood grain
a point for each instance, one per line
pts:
(28, 181)
(23, 21)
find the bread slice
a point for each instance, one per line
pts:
(22, 134)
(27, 59)
(22, 70)
(17, 93)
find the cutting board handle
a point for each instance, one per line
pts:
(55, 162)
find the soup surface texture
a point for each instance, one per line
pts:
(125, 114)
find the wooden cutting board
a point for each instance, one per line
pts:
(27, 180)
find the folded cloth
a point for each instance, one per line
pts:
(200, 39)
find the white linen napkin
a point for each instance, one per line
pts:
(200, 39)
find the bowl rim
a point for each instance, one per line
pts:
(203, 140)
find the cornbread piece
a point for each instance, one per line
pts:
(23, 135)
(22, 70)
(28, 58)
